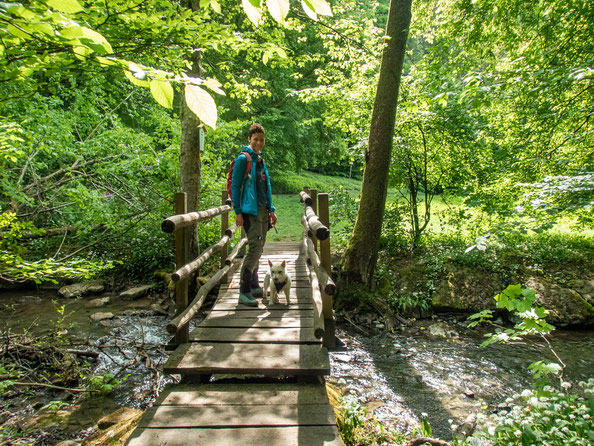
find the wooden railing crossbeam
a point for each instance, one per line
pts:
(317, 227)
(326, 282)
(235, 251)
(174, 222)
(183, 318)
(189, 268)
(305, 198)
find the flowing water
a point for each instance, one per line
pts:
(439, 369)
(433, 367)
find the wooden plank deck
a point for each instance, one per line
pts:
(260, 344)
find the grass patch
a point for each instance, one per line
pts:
(288, 211)
(293, 183)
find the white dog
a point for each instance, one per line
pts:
(277, 280)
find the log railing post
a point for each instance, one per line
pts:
(329, 325)
(181, 257)
(224, 227)
(324, 215)
(313, 193)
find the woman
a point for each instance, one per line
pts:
(253, 210)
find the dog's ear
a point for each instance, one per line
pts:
(269, 263)
(284, 263)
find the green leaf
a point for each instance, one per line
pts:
(98, 39)
(528, 436)
(162, 91)
(426, 429)
(67, 6)
(106, 62)
(45, 28)
(214, 85)
(309, 9)
(591, 402)
(72, 32)
(513, 290)
(321, 7)
(253, 13)
(135, 80)
(21, 11)
(17, 31)
(278, 9)
(202, 104)
(540, 369)
(138, 72)
(216, 7)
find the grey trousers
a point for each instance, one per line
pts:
(256, 228)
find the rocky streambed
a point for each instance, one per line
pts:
(433, 366)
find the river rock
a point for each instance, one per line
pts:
(585, 287)
(158, 309)
(443, 330)
(119, 416)
(566, 306)
(97, 317)
(99, 302)
(26, 300)
(465, 289)
(342, 358)
(81, 289)
(116, 433)
(135, 293)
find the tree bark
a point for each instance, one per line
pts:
(189, 157)
(361, 254)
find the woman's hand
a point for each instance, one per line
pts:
(239, 220)
(273, 219)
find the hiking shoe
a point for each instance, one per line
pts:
(248, 300)
(257, 292)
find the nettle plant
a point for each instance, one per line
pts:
(520, 303)
(546, 414)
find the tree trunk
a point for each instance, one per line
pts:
(361, 254)
(189, 157)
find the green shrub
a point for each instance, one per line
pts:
(545, 417)
(358, 428)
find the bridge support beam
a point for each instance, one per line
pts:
(182, 240)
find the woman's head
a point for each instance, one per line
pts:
(256, 137)
(255, 128)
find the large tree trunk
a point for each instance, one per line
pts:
(361, 254)
(189, 157)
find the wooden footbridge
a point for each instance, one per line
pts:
(249, 375)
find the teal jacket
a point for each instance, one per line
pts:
(246, 189)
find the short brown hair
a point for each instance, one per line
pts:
(255, 128)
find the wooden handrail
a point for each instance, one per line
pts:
(318, 313)
(325, 280)
(306, 226)
(317, 227)
(174, 222)
(185, 316)
(316, 295)
(235, 251)
(189, 268)
(305, 198)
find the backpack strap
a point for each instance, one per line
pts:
(248, 166)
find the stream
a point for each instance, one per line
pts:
(433, 366)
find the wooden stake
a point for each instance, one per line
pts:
(181, 253)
